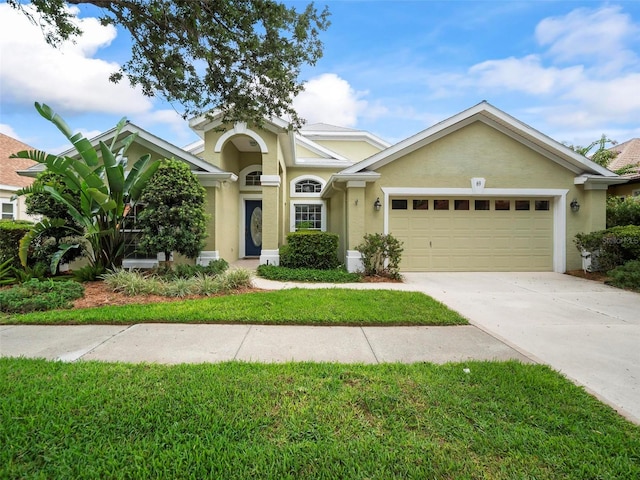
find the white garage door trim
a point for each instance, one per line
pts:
(559, 209)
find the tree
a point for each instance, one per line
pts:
(603, 156)
(173, 218)
(243, 58)
(99, 186)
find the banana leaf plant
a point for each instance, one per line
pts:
(99, 177)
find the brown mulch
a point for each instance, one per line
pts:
(595, 276)
(98, 294)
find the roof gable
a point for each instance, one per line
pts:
(501, 121)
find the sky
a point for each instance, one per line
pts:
(570, 69)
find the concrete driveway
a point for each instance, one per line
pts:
(586, 330)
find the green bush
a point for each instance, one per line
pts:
(89, 273)
(626, 276)
(284, 274)
(381, 255)
(612, 247)
(11, 232)
(37, 295)
(623, 211)
(310, 249)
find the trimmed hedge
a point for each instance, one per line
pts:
(613, 247)
(626, 276)
(310, 249)
(11, 232)
(284, 274)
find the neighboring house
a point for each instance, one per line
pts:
(628, 154)
(10, 181)
(480, 191)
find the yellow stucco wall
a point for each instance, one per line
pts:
(481, 151)
(624, 190)
(354, 151)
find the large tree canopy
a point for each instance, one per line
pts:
(242, 57)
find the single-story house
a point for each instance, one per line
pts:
(10, 181)
(479, 191)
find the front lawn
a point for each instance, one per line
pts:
(284, 307)
(302, 420)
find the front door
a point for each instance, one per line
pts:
(252, 228)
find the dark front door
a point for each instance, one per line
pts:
(252, 228)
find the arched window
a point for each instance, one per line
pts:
(308, 186)
(253, 179)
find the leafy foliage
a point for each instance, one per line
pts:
(622, 212)
(37, 295)
(612, 247)
(11, 232)
(243, 58)
(101, 182)
(173, 219)
(626, 276)
(603, 155)
(381, 255)
(7, 272)
(284, 274)
(310, 249)
(215, 267)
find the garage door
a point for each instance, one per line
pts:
(473, 234)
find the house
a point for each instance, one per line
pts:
(10, 181)
(628, 153)
(479, 191)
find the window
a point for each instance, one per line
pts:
(7, 211)
(503, 205)
(308, 186)
(132, 234)
(421, 204)
(253, 179)
(523, 205)
(441, 204)
(399, 204)
(635, 193)
(461, 204)
(308, 215)
(542, 204)
(482, 204)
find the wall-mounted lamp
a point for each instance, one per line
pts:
(575, 206)
(377, 204)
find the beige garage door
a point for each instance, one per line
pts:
(473, 234)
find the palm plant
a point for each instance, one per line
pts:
(104, 186)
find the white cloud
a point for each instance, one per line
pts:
(9, 131)
(589, 35)
(331, 99)
(524, 75)
(68, 78)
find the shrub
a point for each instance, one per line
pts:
(7, 275)
(89, 273)
(40, 295)
(612, 247)
(215, 267)
(623, 211)
(11, 232)
(284, 274)
(626, 276)
(310, 249)
(381, 255)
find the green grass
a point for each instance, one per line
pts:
(313, 421)
(283, 307)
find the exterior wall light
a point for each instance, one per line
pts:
(377, 204)
(575, 206)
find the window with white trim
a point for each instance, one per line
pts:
(308, 214)
(253, 179)
(8, 211)
(306, 186)
(131, 234)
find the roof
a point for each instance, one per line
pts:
(496, 118)
(10, 166)
(325, 127)
(628, 154)
(148, 140)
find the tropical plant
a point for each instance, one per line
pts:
(381, 255)
(105, 188)
(173, 218)
(603, 156)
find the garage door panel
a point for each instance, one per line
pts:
(470, 240)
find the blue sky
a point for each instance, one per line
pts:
(570, 69)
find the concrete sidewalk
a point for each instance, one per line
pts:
(178, 343)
